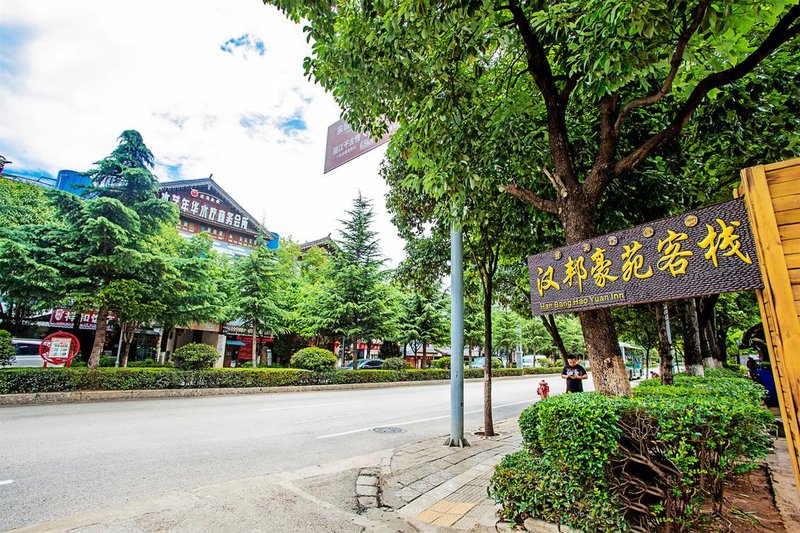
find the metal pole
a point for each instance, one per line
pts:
(456, 340)
(519, 346)
(669, 337)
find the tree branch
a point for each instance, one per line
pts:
(549, 206)
(781, 33)
(600, 175)
(540, 70)
(675, 63)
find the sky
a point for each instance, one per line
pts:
(214, 87)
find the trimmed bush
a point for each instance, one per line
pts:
(442, 362)
(7, 350)
(194, 356)
(33, 380)
(597, 453)
(395, 363)
(314, 359)
(106, 361)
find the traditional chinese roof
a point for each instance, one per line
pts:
(325, 242)
(211, 185)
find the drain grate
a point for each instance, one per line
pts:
(388, 429)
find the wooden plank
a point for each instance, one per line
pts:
(792, 261)
(789, 231)
(794, 276)
(791, 247)
(796, 292)
(785, 175)
(771, 168)
(788, 217)
(785, 203)
(777, 190)
(786, 335)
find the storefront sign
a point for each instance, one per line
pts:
(344, 144)
(702, 252)
(64, 318)
(207, 207)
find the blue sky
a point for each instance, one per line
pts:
(221, 91)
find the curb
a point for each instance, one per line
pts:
(116, 395)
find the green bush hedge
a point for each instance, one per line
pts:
(314, 359)
(680, 441)
(442, 362)
(32, 380)
(7, 350)
(395, 363)
(195, 356)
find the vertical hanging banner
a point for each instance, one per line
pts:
(344, 144)
(702, 252)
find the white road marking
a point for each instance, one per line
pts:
(408, 422)
(302, 406)
(7, 482)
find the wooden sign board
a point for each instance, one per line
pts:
(772, 196)
(707, 251)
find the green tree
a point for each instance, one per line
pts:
(506, 332)
(424, 320)
(356, 297)
(200, 281)
(582, 92)
(26, 283)
(109, 240)
(259, 296)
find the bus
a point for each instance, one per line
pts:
(633, 356)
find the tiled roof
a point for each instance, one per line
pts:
(213, 185)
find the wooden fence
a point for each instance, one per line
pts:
(772, 195)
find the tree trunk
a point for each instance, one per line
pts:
(99, 337)
(424, 353)
(254, 354)
(123, 361)
(488, 424)
(722, 346)
(159, 358)
(354, 351)
(692, 354)
(599, 334)
(549, 322)
(664, 352)
(608, 368)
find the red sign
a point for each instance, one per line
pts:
(344, 144)
(59, 348)
(64, 318)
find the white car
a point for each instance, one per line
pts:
(27, 354)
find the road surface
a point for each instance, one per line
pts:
(56, 460)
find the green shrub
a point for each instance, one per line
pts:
(146, 363)
(106, 361)
(442, 362)
(7, 350)
(314, 359)
(195, 356)
(395, 363)
(682, 441)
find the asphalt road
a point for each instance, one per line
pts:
(56, 460)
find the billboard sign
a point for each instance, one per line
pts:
(702, 252)
(344, 144)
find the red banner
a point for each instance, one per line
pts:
(64, 318)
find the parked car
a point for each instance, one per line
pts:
(365, 364)
(27, 352)
(478, 362)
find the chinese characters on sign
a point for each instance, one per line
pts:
(707, 251)
(64, 318)
(207, 207)
(344, 144)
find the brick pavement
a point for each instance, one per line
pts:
(438, 488)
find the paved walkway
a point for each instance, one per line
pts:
(442, 486)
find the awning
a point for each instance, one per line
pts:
(234, 342)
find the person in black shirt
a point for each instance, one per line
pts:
(574, 374)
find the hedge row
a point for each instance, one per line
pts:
(650, 462)
(32, 380)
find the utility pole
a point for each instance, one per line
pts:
(456, 340)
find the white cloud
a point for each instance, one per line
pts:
(76, 74)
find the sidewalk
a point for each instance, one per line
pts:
(432, 485)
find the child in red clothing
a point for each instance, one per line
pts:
(544, 389)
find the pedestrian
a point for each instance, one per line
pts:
(752, 366)
(544, 389)
(574, 374)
